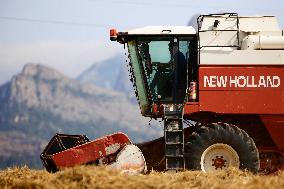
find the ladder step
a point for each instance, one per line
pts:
(174, 143)
(173, 116)
(174, 131)
(175, 169)
(174, 150)
(174, 137)
(174, 156)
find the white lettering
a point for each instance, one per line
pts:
(213, 81)
(276, 81)
(261, 82)
(252, 84)
(222, 81)
(206, 81)
(242, 81)
(210, 81)
(269, 81)
(235, 81)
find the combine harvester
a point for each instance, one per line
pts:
(225, 82)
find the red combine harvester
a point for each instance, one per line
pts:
(218, 90)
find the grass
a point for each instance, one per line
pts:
(90, 177)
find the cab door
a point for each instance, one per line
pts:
(165, 61)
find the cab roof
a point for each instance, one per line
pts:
(158, 30)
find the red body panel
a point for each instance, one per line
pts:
(90, 151)
(191, 107)
(241, 89)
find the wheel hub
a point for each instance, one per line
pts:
(219, 156)
(218, 162)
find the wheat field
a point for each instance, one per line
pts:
(90, 177)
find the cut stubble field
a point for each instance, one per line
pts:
(90, 177)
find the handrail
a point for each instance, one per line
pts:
(199, 24)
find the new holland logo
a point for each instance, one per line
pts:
(242, 81)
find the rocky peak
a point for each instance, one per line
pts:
(37, 84)
(30, 69)
(41, 72)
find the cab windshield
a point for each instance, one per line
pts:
(162, 66)
(156, 58)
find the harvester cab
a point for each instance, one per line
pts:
(162, 62)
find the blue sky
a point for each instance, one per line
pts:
(71, 35)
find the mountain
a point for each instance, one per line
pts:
(103, 74)
(40, 101)
(110, 74)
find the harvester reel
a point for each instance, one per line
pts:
(219, 146)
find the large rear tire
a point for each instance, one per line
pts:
(218, 146)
